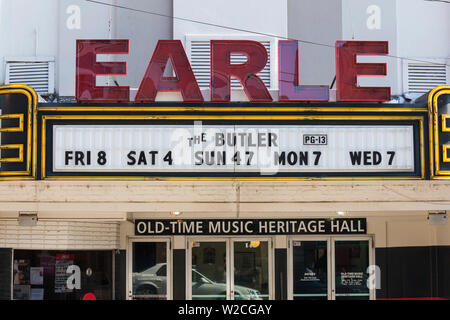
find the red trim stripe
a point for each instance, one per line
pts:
(424, 298)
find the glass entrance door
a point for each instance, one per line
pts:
(250, 276)
(351, 260)
(149, 266)
(209, 270)
(310, 263)
(225, 269)
(332, 268)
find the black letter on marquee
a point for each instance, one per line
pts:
(68, 157)
(132, 160)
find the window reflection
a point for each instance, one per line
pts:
(149, 270)
(62, 275)
(310, 270)
(251, 270)
(352, 260)
(209, 272)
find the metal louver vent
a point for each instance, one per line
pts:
(200, 63)
(422, 77)
(76, 235)
(36, 74)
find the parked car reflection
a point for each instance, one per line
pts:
(151, 284)
(205, 288)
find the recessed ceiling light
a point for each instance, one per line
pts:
(340, 213)
(175, 213)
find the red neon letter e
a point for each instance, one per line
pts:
(347, 71)
(222, 69)
(87, 68)
(154, 79)
(290, 90)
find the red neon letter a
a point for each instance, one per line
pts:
(222, 69)
(347, 71)
(154, 79)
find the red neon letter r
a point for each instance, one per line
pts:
(222, 69)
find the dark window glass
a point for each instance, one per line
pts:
(251, 270)
(310, 270)
(149, 270)
(352, 260)
(209, 274)
(62, 275)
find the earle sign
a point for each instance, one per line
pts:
(222, 70)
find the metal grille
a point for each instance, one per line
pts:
(422, 77)
(38, 75)
(200, 62)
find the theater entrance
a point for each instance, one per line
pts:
(329, 268)
(229, 269)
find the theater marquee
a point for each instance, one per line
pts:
(439, 103)
(216, 141)
(232, 146)
(267, 149)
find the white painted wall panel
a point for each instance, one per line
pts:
(27, 28)
(264, 16)
(423, 29)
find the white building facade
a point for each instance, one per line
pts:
(389, 228)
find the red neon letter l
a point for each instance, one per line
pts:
(290, 90)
